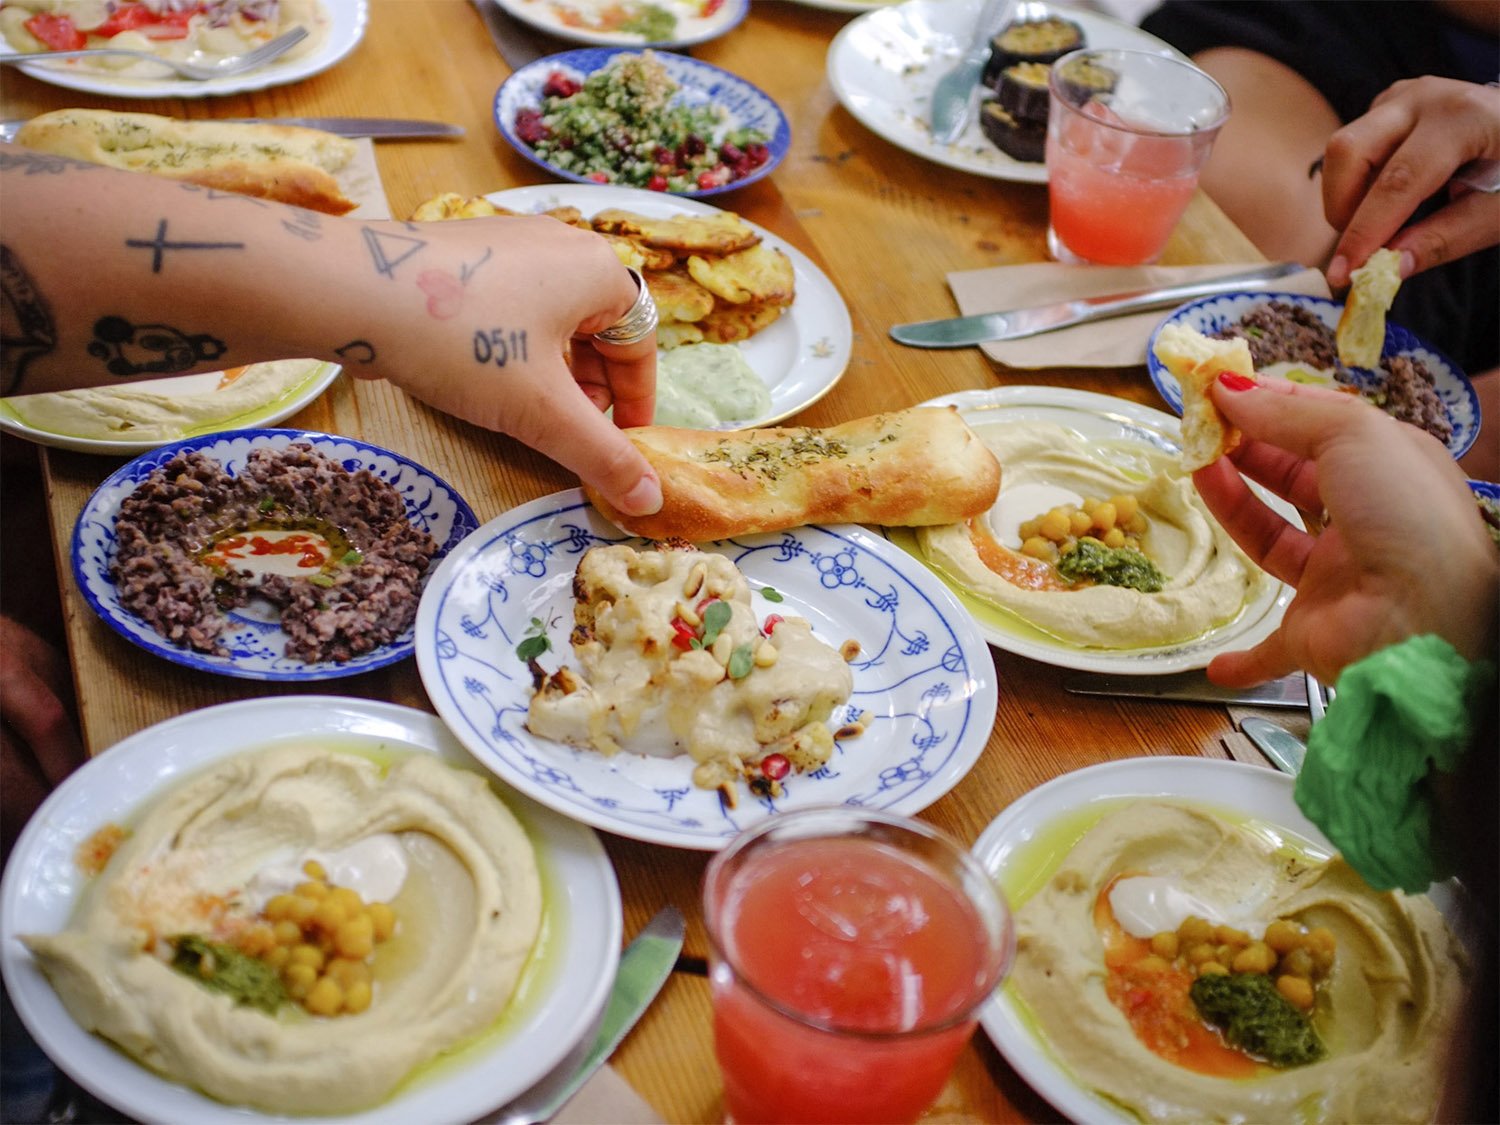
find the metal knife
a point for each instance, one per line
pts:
(380, 128)
(1193, 687)
(961, 331)
(644, 967)
(1284, 748)
(956, 92)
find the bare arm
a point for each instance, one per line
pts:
(111, 277)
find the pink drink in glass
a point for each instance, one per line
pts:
(1122, 165)
(847, 974)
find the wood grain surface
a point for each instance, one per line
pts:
(886, 226)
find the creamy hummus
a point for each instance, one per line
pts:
(738, 696)
(203, 857)
(161, 409)
(1385, 1014)
(1208, 578)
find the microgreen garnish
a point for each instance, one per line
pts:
(716, 615)
(535, 642)
(771, 594)
(741, 660)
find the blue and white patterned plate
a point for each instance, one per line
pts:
(923, 672)
(254, 639)
(1214, 314)
(743, 105)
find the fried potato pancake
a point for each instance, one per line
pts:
(761, 274)
(637, 255)
(677, 333)
(728, 324)
(678, 296)
(721, 233)
(451, 205)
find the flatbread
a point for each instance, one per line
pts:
(1196, 361)
(1361, 331)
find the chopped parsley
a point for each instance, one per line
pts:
(225, 969)
(1256, 1018)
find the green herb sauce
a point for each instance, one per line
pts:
(225, 969)
(1110, 566)
(1256, 1018)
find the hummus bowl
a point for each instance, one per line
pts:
(1025, 848)
(254, 642)
(1057, 446)
(923, 679)
(561, 990)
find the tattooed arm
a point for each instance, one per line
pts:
(114, 276)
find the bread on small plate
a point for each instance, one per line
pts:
(285, 163)
(1196, 360)
(907, 468)
(1372, 288)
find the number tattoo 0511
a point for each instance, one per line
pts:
(499, 347)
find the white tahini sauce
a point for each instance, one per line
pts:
(375, 867)
(1145, 905)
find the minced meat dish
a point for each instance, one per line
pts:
(362, 591)
(1281, 332)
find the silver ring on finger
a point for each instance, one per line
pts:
(639, 321)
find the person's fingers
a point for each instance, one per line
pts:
(1302, 428)
(1471, 222)
(628, 371)
(1355, 155)
(1268, 660)
(38, 717)
(1263, 534)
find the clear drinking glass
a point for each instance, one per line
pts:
(850, 952)
(1127, 134)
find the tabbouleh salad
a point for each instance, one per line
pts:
(621, 126)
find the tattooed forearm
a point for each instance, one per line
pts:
(149, 349)
(29, 163)
(356, 351)
(213, 195)
(27, 329)
(160, 245)
(499, 346)
(468, 271)
(306, 225)
(389, 250)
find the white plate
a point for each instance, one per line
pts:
(266, 414)
(544, 16)
(884, 65)
(1103, 418)
(346, 25)
(1246, 791)
(801, 357)
(559, 996)
(254, 639)
(923, 673)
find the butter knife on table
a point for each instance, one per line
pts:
(1013, 324)
(644, 967)
(377, 128)
(1193, 687)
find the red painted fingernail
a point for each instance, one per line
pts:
(1236, 382)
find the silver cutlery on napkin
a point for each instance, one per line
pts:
(1013, 324)
(956, 92)
(1284, 748)
(376, 128)
(1193, 687)
(644, 967)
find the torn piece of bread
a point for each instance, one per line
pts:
(908, 468)
(1372, 288)
(282, 162)
(1196, 360)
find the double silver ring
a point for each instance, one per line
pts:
(639, 320)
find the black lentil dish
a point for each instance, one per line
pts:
(362, 593)
(1282, 332)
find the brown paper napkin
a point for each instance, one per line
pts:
(1120, 342)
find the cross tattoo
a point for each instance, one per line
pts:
(159, 245)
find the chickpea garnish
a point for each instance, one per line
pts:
(1116, 522)
(1294, 957)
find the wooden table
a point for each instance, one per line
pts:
(886, 227)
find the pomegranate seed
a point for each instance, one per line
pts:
(730, 153)
(559, 85)
(693, 145)
(772, 621)
(663, 155)
(656, 183)
(531, 128)
(598, 177)
(757, 154)
(775, 766)
(717, 176)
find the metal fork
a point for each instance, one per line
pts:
(235, 64)
(1318, 698)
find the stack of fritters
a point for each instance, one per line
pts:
(711, 278)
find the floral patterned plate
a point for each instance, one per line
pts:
(801, 357)
(255, 640)
(923, 673)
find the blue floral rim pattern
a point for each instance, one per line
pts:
(254, 644)
(1213, 314)
(923, 677)
(746, 106)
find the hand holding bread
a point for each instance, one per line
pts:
(1195, 361)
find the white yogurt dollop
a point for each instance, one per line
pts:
(1145, 905)
(375, 867)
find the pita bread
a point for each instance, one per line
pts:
(1361, 330)
(1195, 361)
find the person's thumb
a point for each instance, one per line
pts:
(602, 456)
